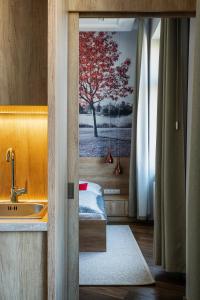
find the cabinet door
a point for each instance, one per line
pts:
(23, 259)
(23, 52)
(115, 208)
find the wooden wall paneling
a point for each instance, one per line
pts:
(115, 208)
(24, 254)
(135, 6)
(73, 156)
(25, 130)
(116, 205)
(120, 197)
(57, 147)
(23, 52)
(94, 169)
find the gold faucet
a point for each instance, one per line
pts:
(10, 157)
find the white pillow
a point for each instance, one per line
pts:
(92, 187)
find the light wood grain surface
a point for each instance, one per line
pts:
(25, 130)
(23, 52)
(52, 184)
(116, 205)
(73, 156)
(23, 260)
(150, 6)
(94, 169)
(57, 148)
(115, 208)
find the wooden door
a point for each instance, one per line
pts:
(73, 156)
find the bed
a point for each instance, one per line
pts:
(92, 220)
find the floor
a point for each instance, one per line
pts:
(168, 286)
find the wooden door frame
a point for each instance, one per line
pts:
(73, 156)
(57, 151)
(63, 224)
(136, 7)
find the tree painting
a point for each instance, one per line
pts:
(101, 76)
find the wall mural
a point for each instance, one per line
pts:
(106, 92)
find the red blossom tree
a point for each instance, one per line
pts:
(100, 76)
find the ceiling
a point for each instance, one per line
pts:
(106, 24)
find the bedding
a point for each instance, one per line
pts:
(91, 206)
(92, 187)
(83, 186)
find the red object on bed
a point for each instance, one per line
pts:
(83, 186)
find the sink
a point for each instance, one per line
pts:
(22, 210)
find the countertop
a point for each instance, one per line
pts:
(25, 224)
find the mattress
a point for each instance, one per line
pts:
(91, 206)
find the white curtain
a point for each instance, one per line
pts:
(142, 152)
(153, 86)
(133, 203)
(143, 143)
(146, 125)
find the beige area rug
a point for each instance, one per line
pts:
(122, 263)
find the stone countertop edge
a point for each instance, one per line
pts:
(24, 224)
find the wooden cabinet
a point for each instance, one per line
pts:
(23, 260)
(23, 52)
(116, 205)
